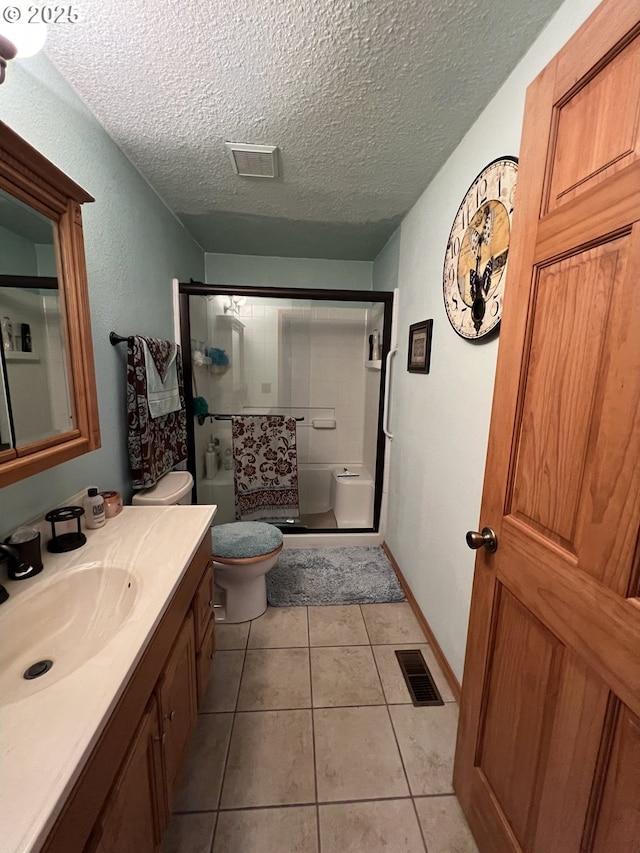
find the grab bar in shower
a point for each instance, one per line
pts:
(387, 384)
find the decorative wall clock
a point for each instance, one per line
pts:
(475, 262)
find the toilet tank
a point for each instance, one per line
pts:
(174, 488)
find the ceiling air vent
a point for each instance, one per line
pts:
(253, 161)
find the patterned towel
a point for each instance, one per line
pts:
(265, 468)
(156, 445)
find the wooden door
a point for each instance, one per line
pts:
(178, 702)
(548, 753)
(133, 817)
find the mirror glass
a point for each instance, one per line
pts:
(35, 398)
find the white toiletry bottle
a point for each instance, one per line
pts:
(375, 346)
(210, 461)
(228, 459)
(216, 450)
(94, 514)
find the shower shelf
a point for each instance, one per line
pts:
(20, 355)
(373, 365)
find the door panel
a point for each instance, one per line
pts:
(618, 825)
(548, 756)
(600, 626)
(572, 298)
(571, 483)
(587, 152)
(575, 737)
(523, 658)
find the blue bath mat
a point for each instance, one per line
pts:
(332, 576)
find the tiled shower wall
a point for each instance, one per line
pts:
(322, 376)
(306, 361)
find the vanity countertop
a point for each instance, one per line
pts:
(47, 736)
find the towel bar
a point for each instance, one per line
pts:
(202, 418)
(115, 338)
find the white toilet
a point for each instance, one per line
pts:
(174, 488)
(243, 552)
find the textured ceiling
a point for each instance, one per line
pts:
(365, 98)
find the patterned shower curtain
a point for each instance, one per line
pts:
(265, 468)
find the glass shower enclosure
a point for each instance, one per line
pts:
(316, 355)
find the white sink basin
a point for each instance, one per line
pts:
(66, 620)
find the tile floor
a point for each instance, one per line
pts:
(307, 742)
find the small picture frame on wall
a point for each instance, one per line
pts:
(420, 347)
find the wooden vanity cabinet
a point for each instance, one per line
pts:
(203, 605)
(204, 659)
(121, 800)
(177, 695)
(135, 813)
(205, 637)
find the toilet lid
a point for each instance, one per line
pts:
(244, 539)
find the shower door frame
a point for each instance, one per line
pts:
(197, 288)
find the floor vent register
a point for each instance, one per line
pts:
(419, 680)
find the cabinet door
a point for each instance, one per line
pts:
(133, 817)
(204, 659)
(203, 604)
(178, 702)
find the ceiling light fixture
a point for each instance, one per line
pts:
(8, 51)
(18, 40)
(235, 304)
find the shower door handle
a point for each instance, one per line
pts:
(387, 385)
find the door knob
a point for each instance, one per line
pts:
(487, 539)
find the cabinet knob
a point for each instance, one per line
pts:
(211, 604)
(162, 738)
(170, 716)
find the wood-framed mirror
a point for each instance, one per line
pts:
(48, 400)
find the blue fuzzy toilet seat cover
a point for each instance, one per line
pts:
(244, 539)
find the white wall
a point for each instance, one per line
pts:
(441, 421)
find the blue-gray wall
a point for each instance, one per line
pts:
(264, 271)
(17, 254)
(385, 268)
(134, 247)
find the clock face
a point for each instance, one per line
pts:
(475, 262)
